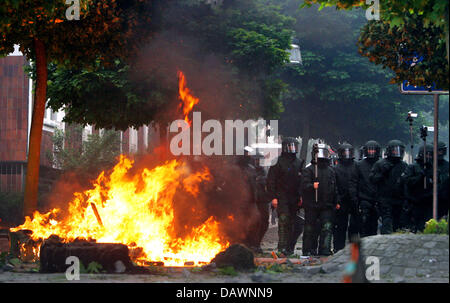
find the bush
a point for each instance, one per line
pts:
(11, 208)
(435, 227)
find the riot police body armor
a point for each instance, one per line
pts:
(319, 199)
(365, 191)
(388, 174)
(284, 185)
(348, 210)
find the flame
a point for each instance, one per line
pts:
(187, 99)
(137, 211)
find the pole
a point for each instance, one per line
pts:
(425, 161)
(435, 155)
(411, 142)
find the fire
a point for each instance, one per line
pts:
(187, 99)
(137, 211)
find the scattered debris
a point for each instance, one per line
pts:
(238, 256)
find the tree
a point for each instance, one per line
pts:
(229, 54)
(336, 94)
(396, 47)
(106, 30)
(407, 17)
(87, 160)
(110, 97)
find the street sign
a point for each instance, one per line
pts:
(408, 89)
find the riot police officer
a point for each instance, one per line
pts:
(388, 175)
(283, 185)
(419, 187)
(256, 176)
(320, 198)
(364, 191)
(444, 184)
(348, 205)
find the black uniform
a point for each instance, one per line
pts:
(388, 175)
(443, 186)
(319, 215)
(364, 191)
(444, 183)
(284, 184)
(420, 198)
(348, 210)
(257, 180)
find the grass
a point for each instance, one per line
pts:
(228, 271)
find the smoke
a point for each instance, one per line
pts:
(211, 78)
(225, 197)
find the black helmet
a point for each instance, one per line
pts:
(428, 153)
(289, 145)
(322, 151)
(346, 151)
(372, 150)
(442, 150)
(395, 149)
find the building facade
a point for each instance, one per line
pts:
(16, 104)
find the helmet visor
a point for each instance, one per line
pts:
(396, 152)
(372, 152)
(291, 148)
(323, 153)
(346, 154)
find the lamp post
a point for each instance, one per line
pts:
(295, 56)
(410, 119)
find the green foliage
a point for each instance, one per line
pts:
(11, 207)
(106, 29)
(336, 89)
(433, 11)
(98, 153)
(384, 44)
(249, 39)
(108, 97)
(435, 227)
(422, 25)
(3, 258)
(15, 261)
(275, 268)
(228, 271)
(94, 268)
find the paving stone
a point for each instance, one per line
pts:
(312, 269)
(329, 268)
(399, 279)
(385, 269)
(410, 272)
(420, 252)
(398, 270)
(261, 277)
(435, 252)
(390, 253)
(423, 271)
(430, 244)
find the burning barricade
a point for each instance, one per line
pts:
(135, 210)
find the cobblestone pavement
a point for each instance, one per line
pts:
(402, 257)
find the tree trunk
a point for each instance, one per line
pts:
(34, 149)
(446, 34)
(305, 137)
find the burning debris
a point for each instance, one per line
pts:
(238, 256)
(136, 210)
(113, 257)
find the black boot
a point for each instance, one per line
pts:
(326, 236)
